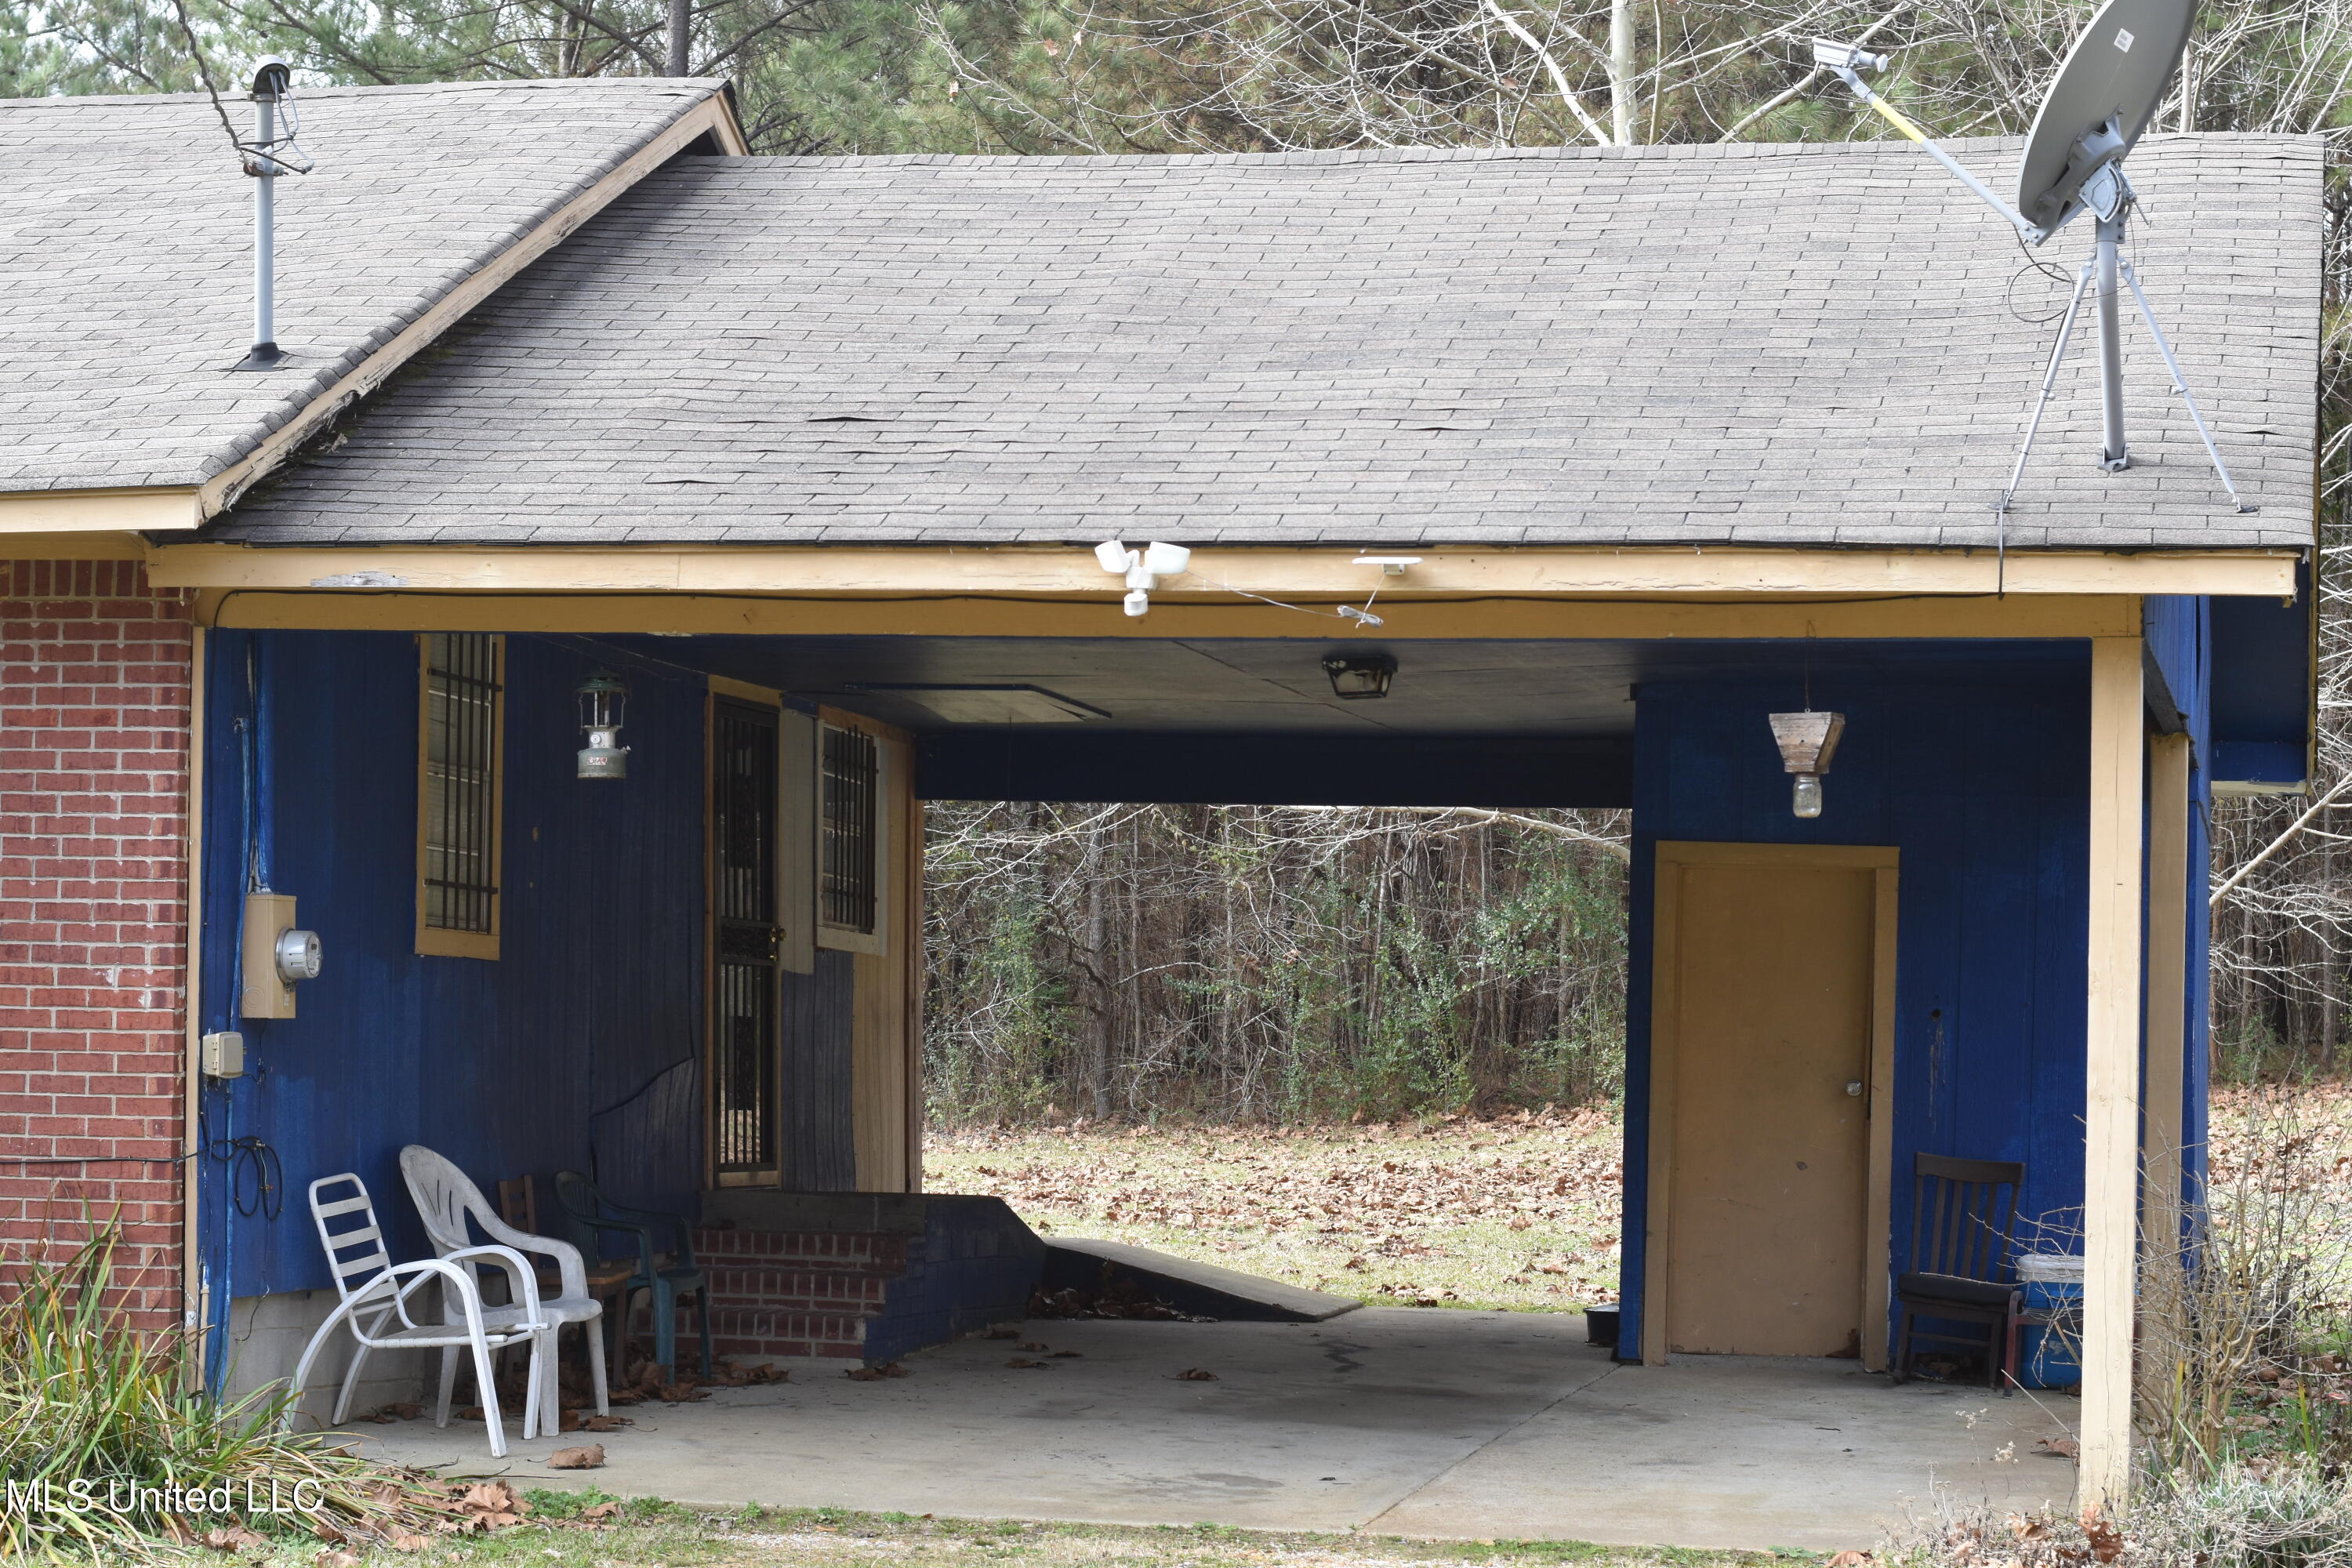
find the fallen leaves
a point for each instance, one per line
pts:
(1484, 1208)
(875, 1373)
(591, 1457)
(1849, 1560)
(493, 1505)
(1196, 1375)
(2106, 1540)
(1024, 1363)
(232, 1538)
(2061, 1448)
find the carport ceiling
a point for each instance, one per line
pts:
(1461, 687)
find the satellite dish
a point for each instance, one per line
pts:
(2103, 99)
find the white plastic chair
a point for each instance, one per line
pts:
(373, 1297)
(446, 1197)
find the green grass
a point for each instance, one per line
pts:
(660, 1535)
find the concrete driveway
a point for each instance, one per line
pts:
(1411, 1422)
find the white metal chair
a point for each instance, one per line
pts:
(446, 1197)
(373, 1298)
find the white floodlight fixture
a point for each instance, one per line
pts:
(1142, 568)
(2103, 97)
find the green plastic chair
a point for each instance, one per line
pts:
(592, 1216)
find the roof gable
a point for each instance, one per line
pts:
(126, 254)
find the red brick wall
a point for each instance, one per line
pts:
(94, 708)
(783, 1293)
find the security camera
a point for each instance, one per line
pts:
(271, 77)
(1846, 57)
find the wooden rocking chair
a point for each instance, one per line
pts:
(1960, 1245)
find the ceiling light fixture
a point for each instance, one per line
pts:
(1358, 675)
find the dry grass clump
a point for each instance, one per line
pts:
(2245, 1308)
(2290, 1515)
(96, 1419)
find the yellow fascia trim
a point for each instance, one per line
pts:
(157, 508)
(1491, 617)
(710, 117)
(1219, 575)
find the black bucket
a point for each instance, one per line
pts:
(1601, 1326)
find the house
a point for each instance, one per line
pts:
(1589, 462)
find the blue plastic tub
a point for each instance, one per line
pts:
(2045, 1354)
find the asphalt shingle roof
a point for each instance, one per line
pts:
(126, 253)
(1749, 346)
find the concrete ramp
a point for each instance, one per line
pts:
(1074, 1262)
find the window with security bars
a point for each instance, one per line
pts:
(744, 814)
(850, 881)
(457, 794)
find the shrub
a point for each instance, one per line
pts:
(86, 1399)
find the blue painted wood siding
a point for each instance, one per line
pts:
(556, 1054)
(1977, 770)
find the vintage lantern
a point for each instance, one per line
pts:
(604, 702)
(1807, 741)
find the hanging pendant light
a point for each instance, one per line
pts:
(604, 702)
(1807, 741)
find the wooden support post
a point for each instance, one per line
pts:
(2168, 979)
(2112, 1038)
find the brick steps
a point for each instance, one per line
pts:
(797, 1293)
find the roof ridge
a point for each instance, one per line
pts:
(312, 94)
(1573, 153)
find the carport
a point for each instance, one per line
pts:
(814, 455)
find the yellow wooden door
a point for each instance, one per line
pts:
(1772, 973)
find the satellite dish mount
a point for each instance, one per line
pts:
(2104, 98)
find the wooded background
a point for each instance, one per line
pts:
(1252, 964)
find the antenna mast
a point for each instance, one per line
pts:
(270, 153)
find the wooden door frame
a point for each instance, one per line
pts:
(1670, 856)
